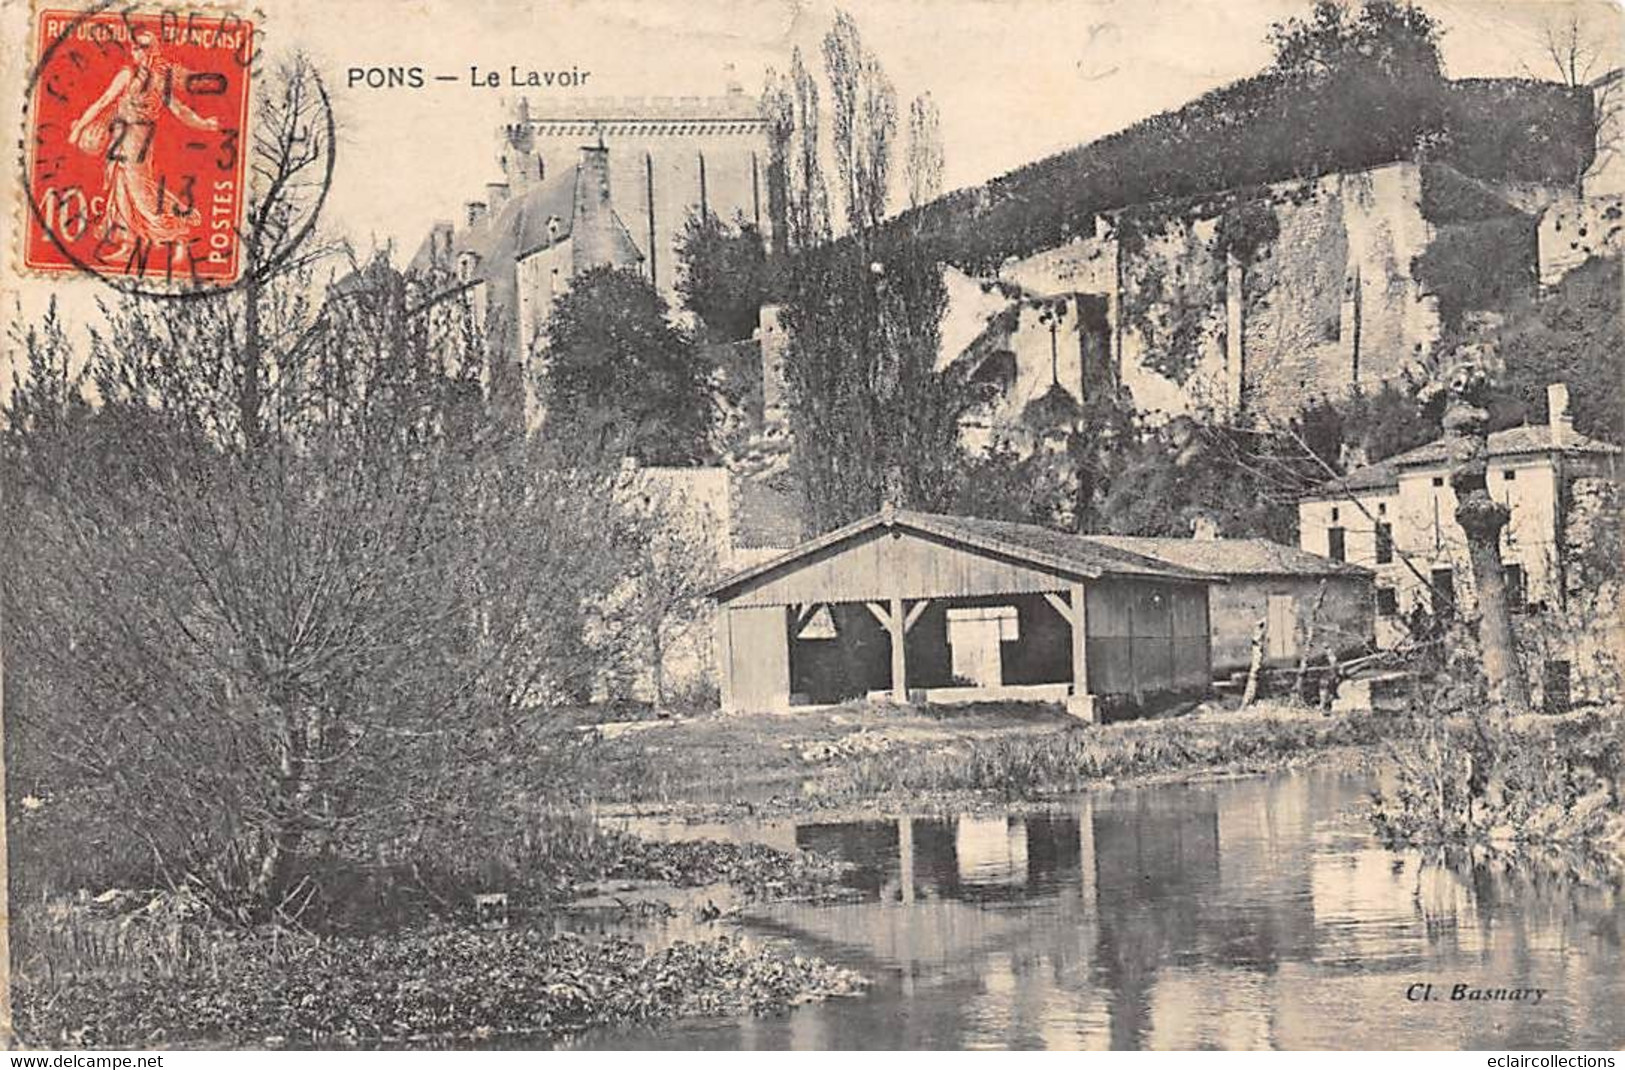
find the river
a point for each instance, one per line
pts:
(1242, 914)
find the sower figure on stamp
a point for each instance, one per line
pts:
(139, 209)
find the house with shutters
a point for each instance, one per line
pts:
(1397, 517)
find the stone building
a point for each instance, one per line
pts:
(1397, 517)
(671, 156)
(588, 183)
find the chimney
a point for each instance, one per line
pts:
(440, 241)
(1204, 527)
(1558, 420)
(476, 211)
(496, 195)
(592, 231)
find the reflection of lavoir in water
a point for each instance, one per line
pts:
(138, 209)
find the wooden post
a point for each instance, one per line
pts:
(899, 654)
(1082, 703)
(725, 659)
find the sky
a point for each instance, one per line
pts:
(1015, 80)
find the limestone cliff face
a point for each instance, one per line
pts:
(1254, 302)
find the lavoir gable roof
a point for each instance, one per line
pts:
(1079, 556)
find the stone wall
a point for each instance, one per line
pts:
(1575, 230)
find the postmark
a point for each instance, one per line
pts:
(134, 167)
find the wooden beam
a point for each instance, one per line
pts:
(804, 616)
(899, 654)
(914, 612)
(1059, 604)
(879, 613)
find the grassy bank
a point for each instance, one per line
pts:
(454, 987)
(1473, 778)
(864, 754)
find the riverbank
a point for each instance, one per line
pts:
(156, 969)
(866, 756)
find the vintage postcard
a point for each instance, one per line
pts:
(802, 525)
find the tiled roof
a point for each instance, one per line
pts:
(1086, 553)
(1511, 442)
(1234, 557)
(1055, 551)
(519, 229)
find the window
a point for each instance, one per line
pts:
(1438, 481)
(1510, 473)
(1385, 542)
(1335, 544)
(1517, 595)
(1557, 690)
(1335, 516)
(1387, 602)
(1444, 592)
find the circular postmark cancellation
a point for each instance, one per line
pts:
(134, 168)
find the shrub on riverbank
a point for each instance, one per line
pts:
(452, 987)
(1473, 777)
(1029, 767)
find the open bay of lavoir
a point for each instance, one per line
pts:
(1240, 914)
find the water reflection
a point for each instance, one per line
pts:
(1251, 914)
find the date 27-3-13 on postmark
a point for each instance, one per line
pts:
(134, 163)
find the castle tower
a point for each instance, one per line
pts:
(521, 164)
(670, 155)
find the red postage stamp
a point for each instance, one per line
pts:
(135, 155)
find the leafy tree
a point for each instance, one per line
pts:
(1391, 38)
(863, 123)
(870, 415)
(1059, 466)
(259, 628)
(1575, 335)
(924, 171)
(620, 375)
(724, 275)
(797, 194)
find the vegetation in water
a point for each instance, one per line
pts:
(453, 987)
(1469, 776)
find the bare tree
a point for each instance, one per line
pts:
(275, 564)
(925, 160)
(1584, 57)
(677, 538)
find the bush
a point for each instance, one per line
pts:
(1470, 777)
